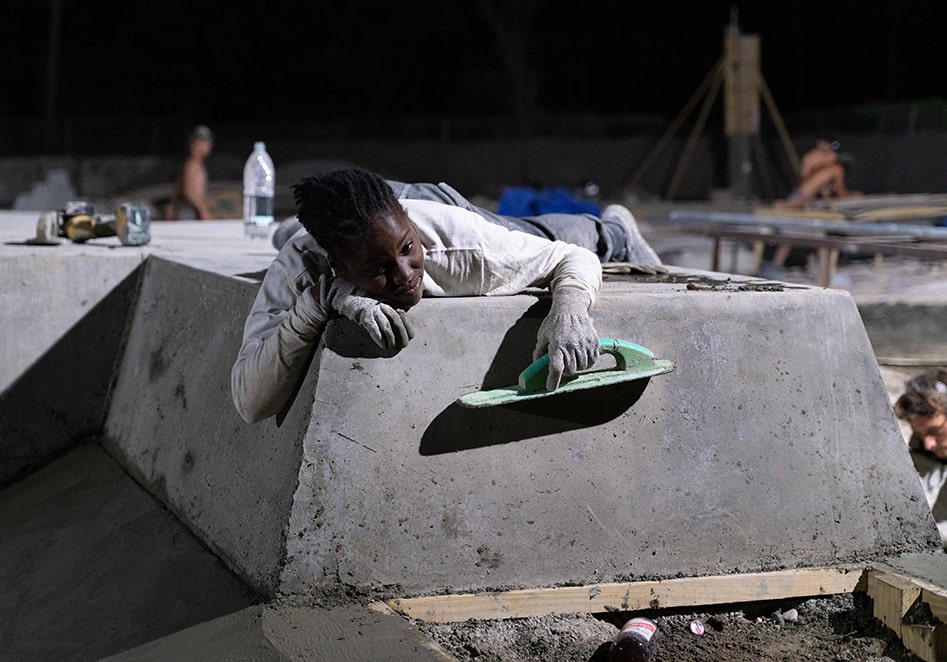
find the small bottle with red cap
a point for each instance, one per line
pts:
(637, 641)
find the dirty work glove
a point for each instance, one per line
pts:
(567, 335)
(310, 313)
(633, 268)
(388, 327)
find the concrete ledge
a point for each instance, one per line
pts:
(173, 422)
(770, 446)
(64, 324)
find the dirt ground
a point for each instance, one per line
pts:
(837, 628)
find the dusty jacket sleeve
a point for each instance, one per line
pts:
(466, 255)
(282, 329)
(516, 260)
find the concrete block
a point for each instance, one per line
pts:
(64, 319)
(772, 445)
(173, 423)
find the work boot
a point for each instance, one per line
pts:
(636, 249)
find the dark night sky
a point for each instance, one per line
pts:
(231, 61)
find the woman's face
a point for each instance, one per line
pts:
(388, 264)
(932, 430)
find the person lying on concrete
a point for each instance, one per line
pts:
(613, 236)
(369, 255)
(923, 405)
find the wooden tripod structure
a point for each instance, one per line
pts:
(738, 71)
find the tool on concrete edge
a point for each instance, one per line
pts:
(131, 224)
(79, 223)
(632, 361)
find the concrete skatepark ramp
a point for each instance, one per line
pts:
(771, 445)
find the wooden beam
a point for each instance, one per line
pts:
(931, 594)
(893, 595)
(634, 596)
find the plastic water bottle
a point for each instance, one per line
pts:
(637, 642)
(259, 184)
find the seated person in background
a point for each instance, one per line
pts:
(821, 176)
(369, 255)
(189, 197)
(924, 406)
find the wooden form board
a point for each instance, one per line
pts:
(634, 596)
(894, 595)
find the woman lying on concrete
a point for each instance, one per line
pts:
(370, 249)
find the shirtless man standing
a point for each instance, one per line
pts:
(189, 199)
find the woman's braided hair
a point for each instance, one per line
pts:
(924, 395)
(337, 207)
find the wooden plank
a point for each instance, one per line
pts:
(892, 596)
(934, 596)
(893, 213)
(928, 642)
(903, 246)
(936, 599)
(659, 594)
(792, 212)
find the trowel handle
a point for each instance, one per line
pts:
(627, 355)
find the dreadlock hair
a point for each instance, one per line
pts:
(338, 206)
(924, 395)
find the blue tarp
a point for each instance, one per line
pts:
(527, 201)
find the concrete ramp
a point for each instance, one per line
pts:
(265, 633)
(93, 565)
(63, 321)
(772, 444)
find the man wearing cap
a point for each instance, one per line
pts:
(189, 198)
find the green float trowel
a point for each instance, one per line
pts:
(632, 362)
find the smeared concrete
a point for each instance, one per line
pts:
(291, 634)
(93, 565)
